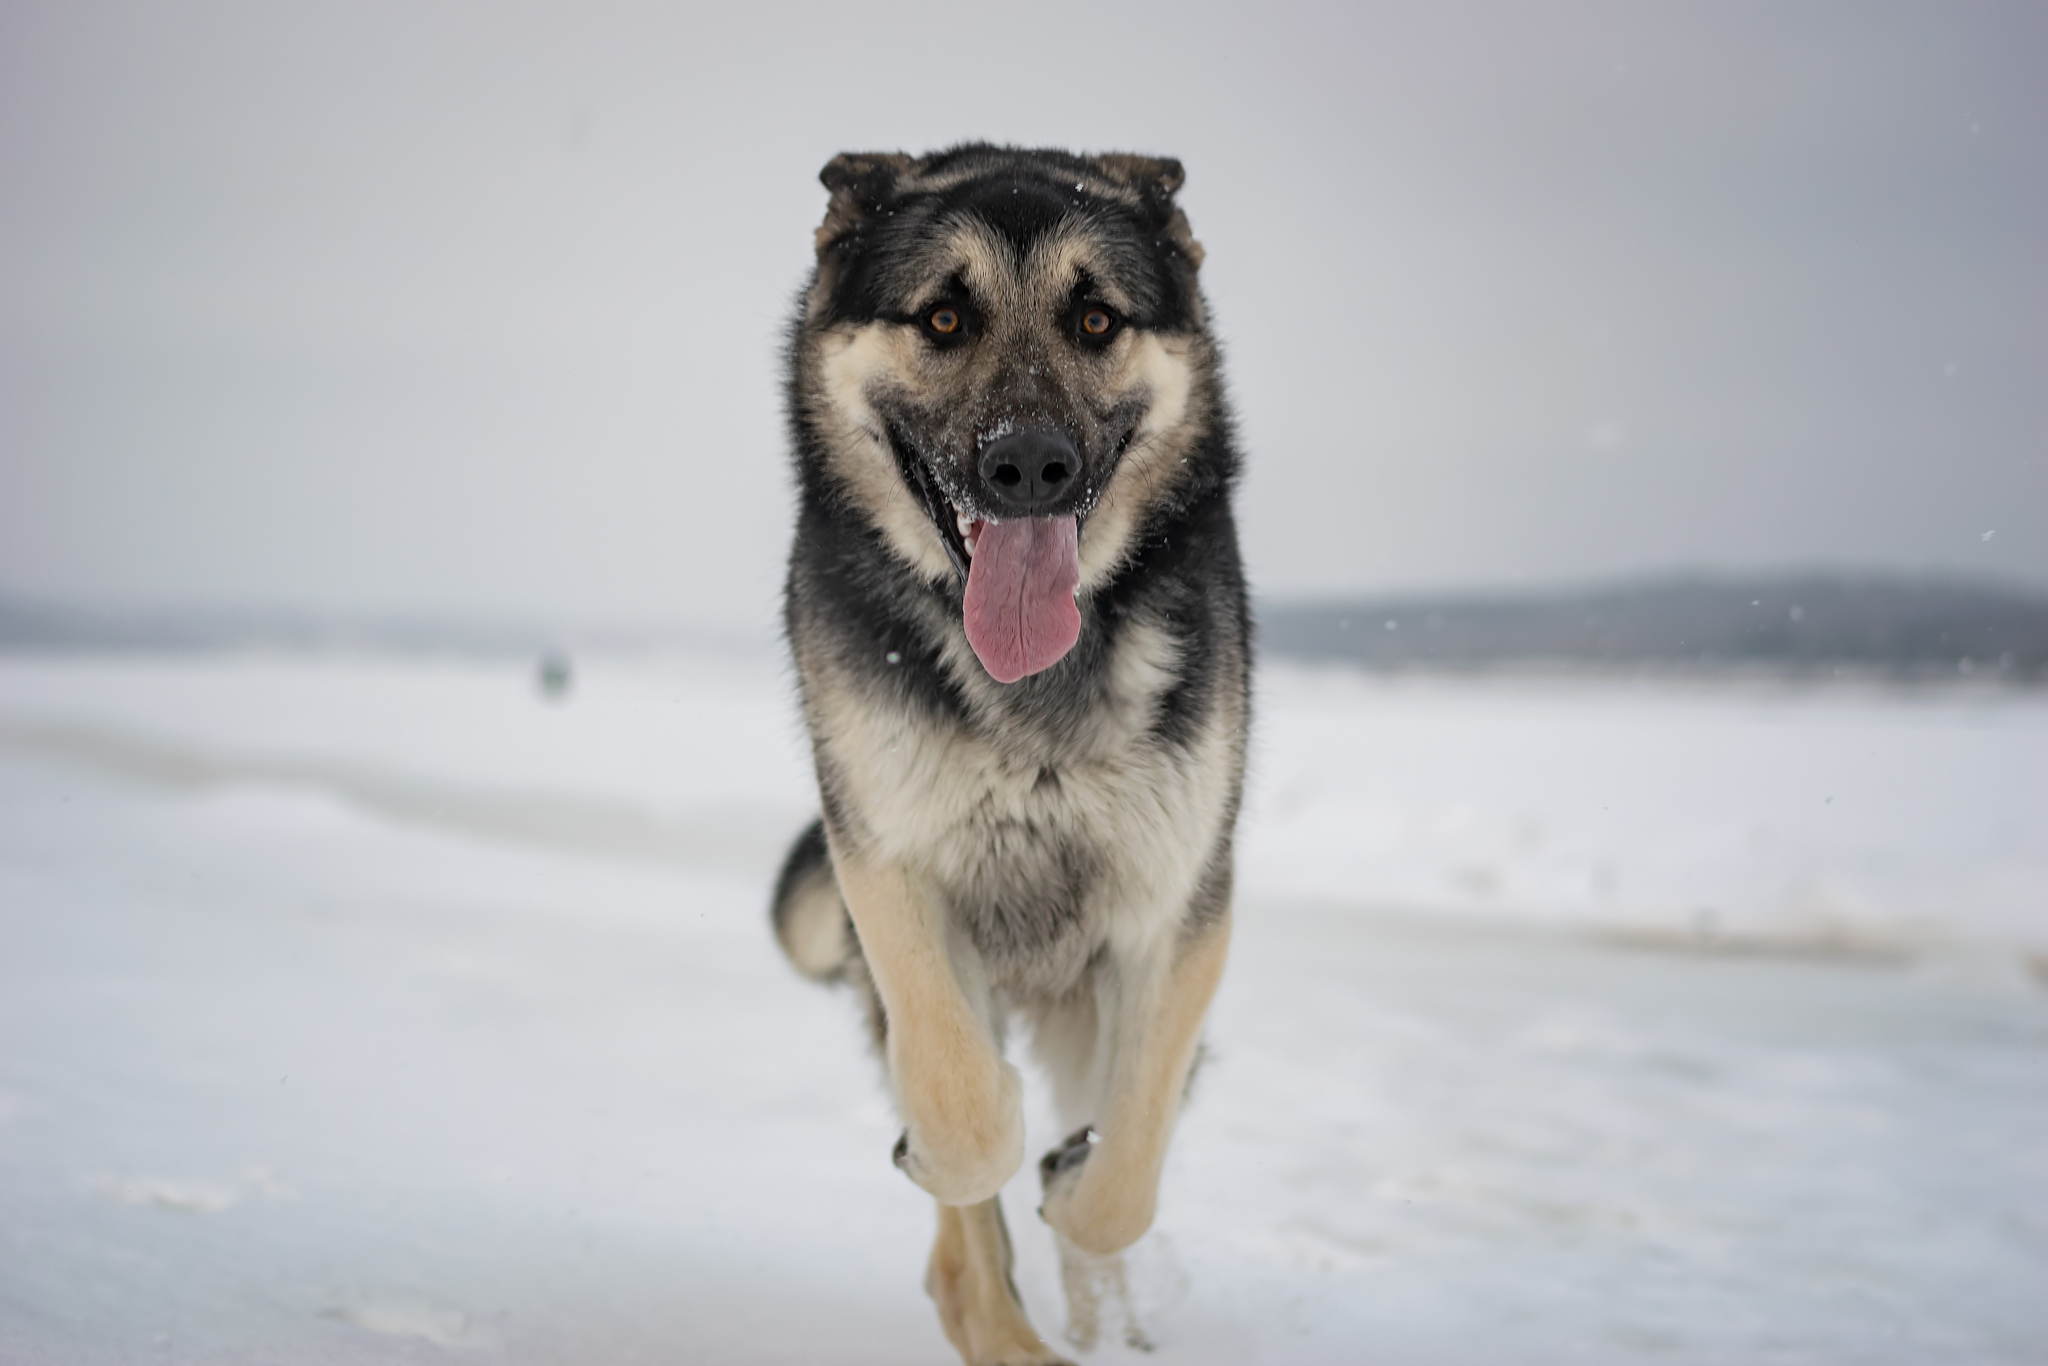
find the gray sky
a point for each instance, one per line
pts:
(474, 308)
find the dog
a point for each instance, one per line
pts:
(1021, 639)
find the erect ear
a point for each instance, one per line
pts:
(1156, 179)
(862, 183)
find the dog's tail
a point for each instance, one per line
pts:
(809, 914)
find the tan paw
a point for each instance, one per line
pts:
(980, 1313)
(963, 1148)
(1089, 1201)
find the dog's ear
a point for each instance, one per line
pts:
(1156, 179)
(862, 184)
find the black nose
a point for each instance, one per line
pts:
(1028, 471)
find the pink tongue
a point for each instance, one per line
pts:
(1020, 612)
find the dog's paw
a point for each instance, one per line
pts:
(965, 1154)
(1087, 1202)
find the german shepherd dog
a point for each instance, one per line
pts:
(1019, 624)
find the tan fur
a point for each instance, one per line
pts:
(1109, 1203)
(969, 1279)
(1161, 367)
(962, 1105)
(813, 932)
(858, 363)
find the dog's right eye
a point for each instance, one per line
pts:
(945, 323)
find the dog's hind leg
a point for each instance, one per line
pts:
(962, 1104)
(1102, 1184)
(969, 1279)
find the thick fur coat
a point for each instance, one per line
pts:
(1014, 459)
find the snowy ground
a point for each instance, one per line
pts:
(370, 1011)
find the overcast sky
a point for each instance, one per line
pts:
(439, 308)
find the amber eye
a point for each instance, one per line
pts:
(943, 320)
(1096, 321)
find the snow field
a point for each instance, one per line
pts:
(366, 1010)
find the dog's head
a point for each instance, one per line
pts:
(1003, 363)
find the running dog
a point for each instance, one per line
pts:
(1019, 624)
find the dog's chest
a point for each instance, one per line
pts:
(1045, 853)
(1037, 864)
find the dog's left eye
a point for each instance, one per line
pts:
(1093, 324)
(943, 320)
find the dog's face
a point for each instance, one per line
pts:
(1003, 359)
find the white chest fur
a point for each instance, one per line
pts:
(1095, 838)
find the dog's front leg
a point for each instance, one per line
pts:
(962, 1105)
(1102, 1185)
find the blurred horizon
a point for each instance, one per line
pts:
(475, 312)
(1871, 627)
